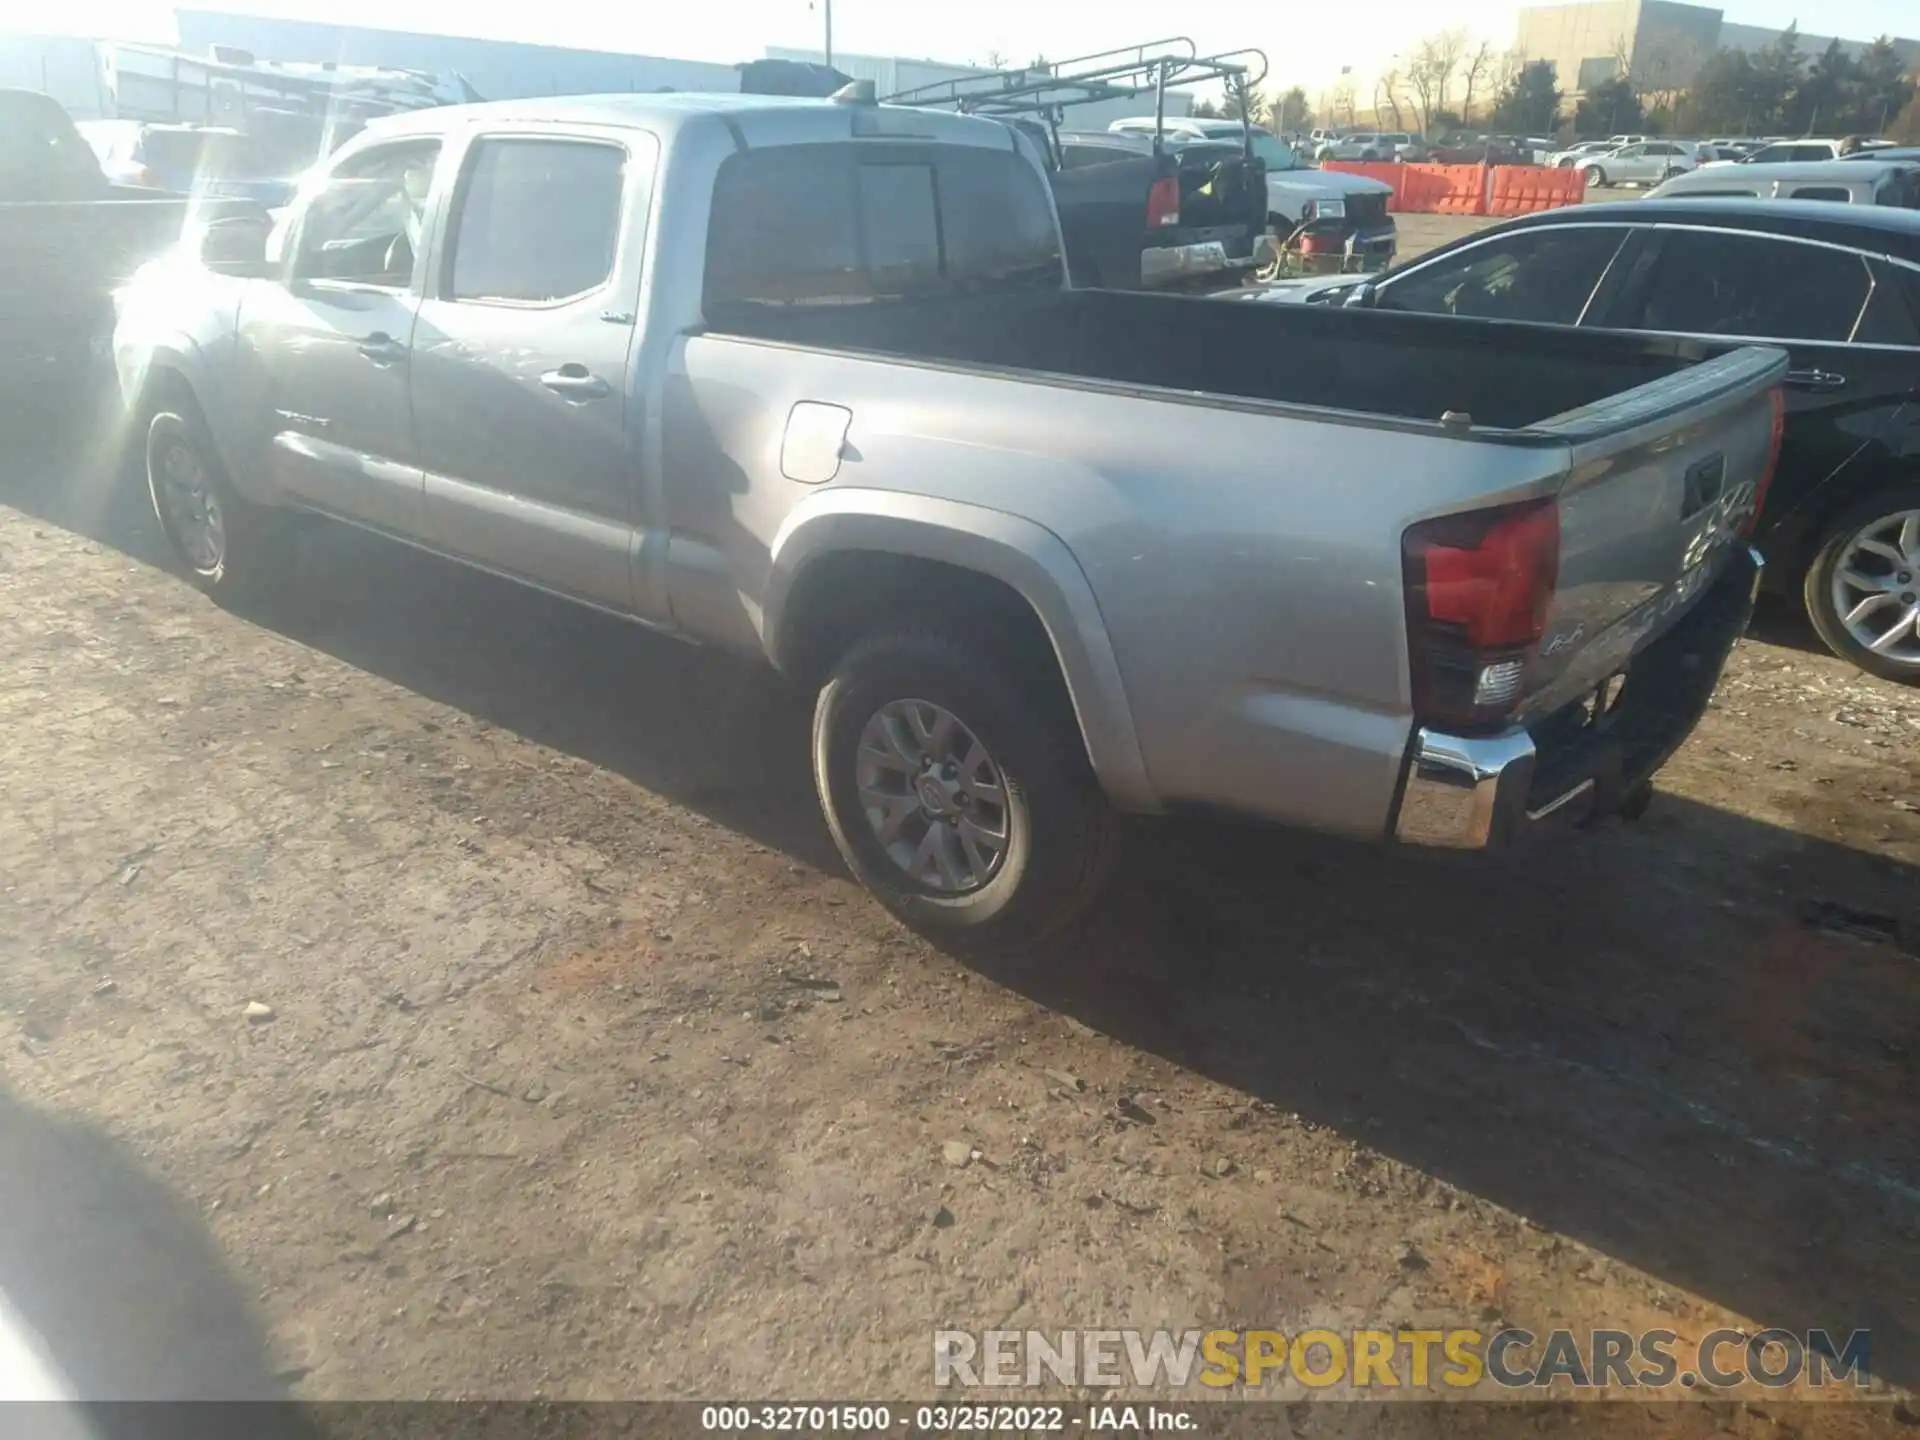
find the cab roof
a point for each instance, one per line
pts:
(667, 112)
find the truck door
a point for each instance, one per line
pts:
(521, 398)
(332, 341)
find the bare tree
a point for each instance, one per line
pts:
(1435, 60)
(1478, 67)
(996, 60)
(1389, 86)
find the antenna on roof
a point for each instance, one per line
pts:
(857, 92)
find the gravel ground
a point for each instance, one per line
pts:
(478, 976)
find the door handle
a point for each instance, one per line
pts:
(382, 348)
(573, 381)
(1815, 380)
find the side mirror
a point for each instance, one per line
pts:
(1360, 297)
(235, 244)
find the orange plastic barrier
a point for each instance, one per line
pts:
(1466, 192)
(1524, 189)
(1426, 189)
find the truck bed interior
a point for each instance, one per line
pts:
(1414, 367)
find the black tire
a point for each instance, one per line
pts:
(1817, 589)
(1061, 833)
(1597, 178)
(251, 561)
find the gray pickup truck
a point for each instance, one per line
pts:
(803, 378)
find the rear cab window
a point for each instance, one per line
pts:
(872, 221)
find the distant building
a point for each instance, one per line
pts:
(1662, 43)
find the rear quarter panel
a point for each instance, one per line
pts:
(1246, 564)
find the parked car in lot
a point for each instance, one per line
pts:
(1884, 154)
(1566, 159)
(192, 160)
(1646, 163)
(1842, 182)
(1479, 150)
(1044, 553)
(1359, 145)
(1838, 285)
(1791, 152)
(67, 236)
(1345, 215)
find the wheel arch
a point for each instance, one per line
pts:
(1792, 545)
(878, 539)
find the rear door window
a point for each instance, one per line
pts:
(538, 220)
(1544, 275)
(1711, 283)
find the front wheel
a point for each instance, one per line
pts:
(1862, 591)
(232, 549)
(957, 790)
(1596, 178)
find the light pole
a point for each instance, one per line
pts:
(827, 7)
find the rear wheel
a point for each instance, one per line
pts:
(233, 549)
(958, 791)
(1862, 591)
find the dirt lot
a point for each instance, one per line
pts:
(589, 1074)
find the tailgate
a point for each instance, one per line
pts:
(1662, 481)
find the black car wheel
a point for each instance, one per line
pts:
(1597, 178)
(1862, 591)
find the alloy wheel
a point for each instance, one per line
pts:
(1875, 590)
(934, 797)
(192, 508)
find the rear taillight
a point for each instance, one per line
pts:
(1779, 400)
(1163, 203)
(1478, 587)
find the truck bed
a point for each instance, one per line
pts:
(1409, 367)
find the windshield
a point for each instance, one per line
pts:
(1275, 152)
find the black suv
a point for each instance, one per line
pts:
(1836, 286)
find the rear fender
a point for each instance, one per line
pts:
(1029, 559)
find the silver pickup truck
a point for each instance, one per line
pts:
(803, 378)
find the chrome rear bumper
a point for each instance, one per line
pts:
(1483, 792)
